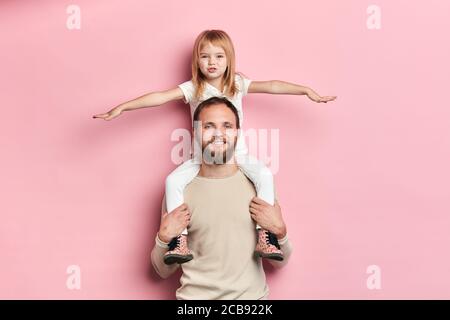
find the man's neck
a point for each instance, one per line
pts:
(218, 170)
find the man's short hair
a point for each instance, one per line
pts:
(215, 101)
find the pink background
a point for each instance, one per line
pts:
(362, 181)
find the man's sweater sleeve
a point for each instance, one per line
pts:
(157, 255)
(286, 247)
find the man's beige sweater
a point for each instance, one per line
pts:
(222, 238)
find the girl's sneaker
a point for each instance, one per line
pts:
(178, 251)
(268, 246)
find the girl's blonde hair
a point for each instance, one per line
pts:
(221, 39)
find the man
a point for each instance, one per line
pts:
(220, 212)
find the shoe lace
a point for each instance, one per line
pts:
(272, 239)
(174, 243)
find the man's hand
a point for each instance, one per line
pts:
(173, 223)
(268, 217)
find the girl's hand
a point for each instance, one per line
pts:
(268, 217)
(316, 98)
(173, 223)
(113, 113)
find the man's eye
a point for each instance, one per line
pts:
(207, 126)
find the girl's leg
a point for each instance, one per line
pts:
(176, 181)
(260, 175)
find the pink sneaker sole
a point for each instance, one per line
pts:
(273, 256)
(177, 258)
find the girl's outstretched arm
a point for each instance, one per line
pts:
(282, 87)
(152, 99)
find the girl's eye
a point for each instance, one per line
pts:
(220, 56)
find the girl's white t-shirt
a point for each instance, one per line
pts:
(211, 91)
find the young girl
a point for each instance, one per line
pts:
(213, 74)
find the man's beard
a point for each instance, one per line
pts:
(211, 156)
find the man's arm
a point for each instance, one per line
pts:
(157, 255)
